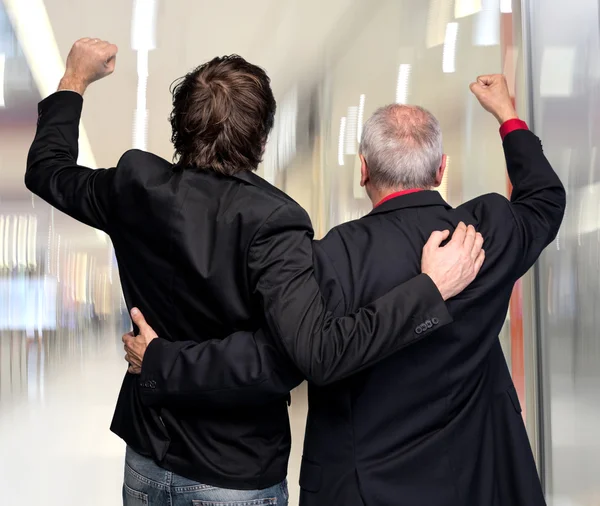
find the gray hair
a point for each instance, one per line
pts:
(402, 145)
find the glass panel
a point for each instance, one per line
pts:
(565, 45)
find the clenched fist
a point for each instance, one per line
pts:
(88, 61)
(492, 93)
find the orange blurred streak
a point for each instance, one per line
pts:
(517, 344)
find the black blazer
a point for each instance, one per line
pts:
(438, 424)
(199, 251)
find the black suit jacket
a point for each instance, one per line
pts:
(199, 251)
(440, 423)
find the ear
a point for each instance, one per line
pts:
(364, 171)
(440, 172)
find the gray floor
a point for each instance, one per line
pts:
(55, 412)
(57, 394)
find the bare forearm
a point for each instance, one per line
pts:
(72, 83)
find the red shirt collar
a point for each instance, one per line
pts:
(397, 194)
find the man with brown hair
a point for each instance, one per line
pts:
(206, 246)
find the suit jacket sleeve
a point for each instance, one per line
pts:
(538, 200)
(243, 369)
(52, 170)
(248, 369)
(323, 347)
(329, 278)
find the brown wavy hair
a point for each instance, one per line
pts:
(223, 112)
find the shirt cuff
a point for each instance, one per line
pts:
(511, 125)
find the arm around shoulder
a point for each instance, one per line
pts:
(323, 347)
(244, 369)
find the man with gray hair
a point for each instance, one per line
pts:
(403, 144)
(439, 423)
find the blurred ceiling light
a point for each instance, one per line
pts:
(49, 249)
(288, 119)
(558, 72)
(269, 165)
(402, 84)
(32, 241)
(33, 29)
(81, 277)
(505, 6)
(22, 241)
(440, 14)
(143, 40)
(449, 56)
(464, 8)
(140, 121)
(351, 129)
(58, 258)
(487, 27)
(589, 211)
(341, 141)
(14, 237)
(361, 117)
(2, 66)
(281, 146)
(143, 25)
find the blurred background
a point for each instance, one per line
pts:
(332, 64)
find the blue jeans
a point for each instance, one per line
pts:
(147, 484)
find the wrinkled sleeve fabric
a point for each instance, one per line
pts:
(244, 369)
(538, 198)
(53, 172)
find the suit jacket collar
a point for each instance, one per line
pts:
(255, 180)
(423, 198)
(250, 177)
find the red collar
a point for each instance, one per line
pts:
(397, 194)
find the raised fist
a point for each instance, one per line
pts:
(492, 93)
(89, 61)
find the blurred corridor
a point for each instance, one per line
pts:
(332, 64)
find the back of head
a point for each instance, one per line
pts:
(223, 112)
(402, 146)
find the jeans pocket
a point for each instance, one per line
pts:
(269, 501)
(272, 496)
(133, 497)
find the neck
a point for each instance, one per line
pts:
(378, 194)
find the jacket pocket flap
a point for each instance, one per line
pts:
(512, 393)
(310, 476)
